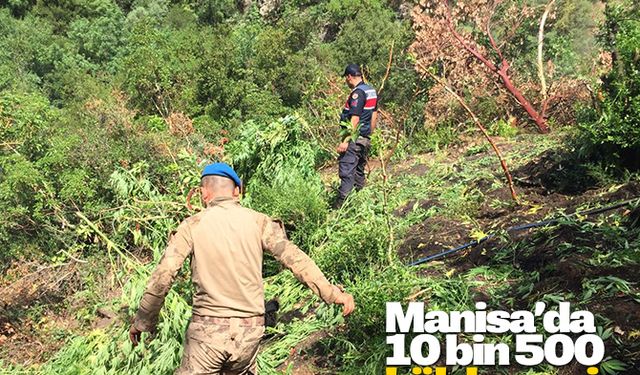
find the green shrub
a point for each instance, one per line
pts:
(353, 240)
(153, 123)
(297, 200)
(24, 130)
(99, 34)
(502, 128)
(159, 67)
(371, 53)
(207, 126)
(278, 168)
(618, 127)
(434, 138)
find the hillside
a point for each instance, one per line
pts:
(435, 201)
(109, 110)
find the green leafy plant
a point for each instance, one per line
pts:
(612, 366)
(617, 128)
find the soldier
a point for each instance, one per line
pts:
(359, 114)
(226, 242)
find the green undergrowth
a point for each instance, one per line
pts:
(502, 278)
(451, 184)
(356, 247)
(109, 110)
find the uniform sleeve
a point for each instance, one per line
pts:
(304, 268)
(179, 248)
(356, 102)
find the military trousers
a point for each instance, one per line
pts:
(225, 346)
(351, 166)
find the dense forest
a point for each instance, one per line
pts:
(492, 114)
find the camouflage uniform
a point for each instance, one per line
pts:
(227, 344)
(226, 243)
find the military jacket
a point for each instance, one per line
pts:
(225, 243)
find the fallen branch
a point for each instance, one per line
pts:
(111, 245)
(5, 144)
(417, 294)
(71, 256)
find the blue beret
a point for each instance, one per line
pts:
(221, 169)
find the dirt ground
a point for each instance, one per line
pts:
(543, 188)
(39, 307)
(307, 358)
(26, 285)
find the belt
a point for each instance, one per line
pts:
(242, 322)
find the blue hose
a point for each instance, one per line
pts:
(517, 228)
(461, 247)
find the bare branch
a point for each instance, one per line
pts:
(466, 46)
(386, 74)
(543, 82)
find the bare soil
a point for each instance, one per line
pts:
(307, 358)
(39, 308)
(23, 339)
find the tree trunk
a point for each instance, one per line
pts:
(540, 61)
(535, 116)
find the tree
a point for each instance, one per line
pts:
(215, 11)
(619, 124)
(98, 34)
(159, 68)
(459, 40)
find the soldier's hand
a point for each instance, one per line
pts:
(346, 300)
(342, 147)
(134, 335)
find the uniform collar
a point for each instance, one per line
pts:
(221, 201)
(357, 86)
